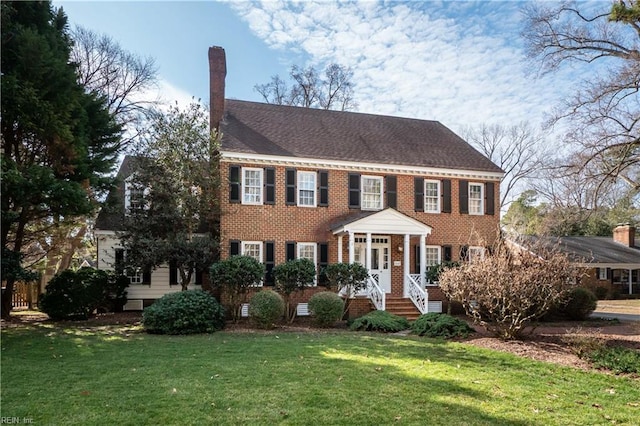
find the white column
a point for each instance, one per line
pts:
(423, 259)
(352, 247)
(406, 263)
(368, 256)
(339, 248)
(630, 281)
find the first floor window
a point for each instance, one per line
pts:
(252, 249)
(251, 186)
(475, 198)
(307, 251)
(431, 196)
(476, 253)
(432, 255)
(135, 275)
(602, 273)
(371, 193)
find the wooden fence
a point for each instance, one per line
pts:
(25, 295)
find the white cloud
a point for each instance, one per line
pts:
(456, 62)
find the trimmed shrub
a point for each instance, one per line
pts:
(440, 325)
(326, 308)
(380, 321)
(76, 294)
(265, 308)
(348, 279)
(581, 303)
(291, 276)
(185, 312)
(234, 277)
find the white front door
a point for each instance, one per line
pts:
(380, 259)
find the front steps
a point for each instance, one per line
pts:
(403, 307)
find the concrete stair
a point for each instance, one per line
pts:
(403, 307)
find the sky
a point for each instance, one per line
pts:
(458, 62)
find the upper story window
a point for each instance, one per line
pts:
(134, 194)
(307, 189)
(252, 186)
(371, 193)
(476, 198)
(432, 196)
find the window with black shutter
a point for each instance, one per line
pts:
(323, 262)
(234, 184)
(391, 185)
(290, 184)
(489, 198)
(269, 262)
(446, 196)
(291, 250)
(418, 194)
(270, 185)
(119, 261)
(464, 197)
(354, 191)
(323, 188)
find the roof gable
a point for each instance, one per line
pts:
(276, 130)
(388, 221)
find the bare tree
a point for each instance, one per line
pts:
(518, 150)
(604, 112)
(331, 90)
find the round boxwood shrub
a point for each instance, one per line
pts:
(265, 308)
(440, 325)
(380, 321)
(326, 308)
(184, 312)
(580, 304)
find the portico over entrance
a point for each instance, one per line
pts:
(369, 238)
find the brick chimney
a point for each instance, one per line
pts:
(217, 74)
(625, 234)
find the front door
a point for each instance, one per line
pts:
(380, 259)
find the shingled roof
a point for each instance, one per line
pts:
(267, 129)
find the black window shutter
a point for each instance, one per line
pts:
(464, 197)
(291, 250)
(417, 250)
(464, 252)
(119, 266)
(354, 191)
(234, 184)
(146, 276)
(418, 189)
(323, 248)
(323, 192)
(489, 198)
(446, 254)
(290, 183)
(609, 274)
(173, 273)
(234, 247)
(270, 185)
(446, 196)
(269, 262)
(391, 185)
(199, 273)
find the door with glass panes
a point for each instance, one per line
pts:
(380, 259)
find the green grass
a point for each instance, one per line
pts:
(75, 375)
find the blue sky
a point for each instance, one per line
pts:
(457, 62)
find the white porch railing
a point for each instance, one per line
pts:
(418, 296)
(375, 293)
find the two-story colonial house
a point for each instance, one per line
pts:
(394, 194)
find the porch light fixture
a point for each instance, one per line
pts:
(400, 248)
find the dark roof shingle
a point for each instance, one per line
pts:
(267, 129)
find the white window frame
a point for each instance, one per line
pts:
(314, 188)
(243, 249)
(480, 210)
(475, 252)
(381, 193)
(602, 274)
(128, 187)
(299, 247)
(260, 185)
(437, 196)
(439, 255)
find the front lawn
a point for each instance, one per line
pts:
(119, 375)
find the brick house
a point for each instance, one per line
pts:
(395, 194)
